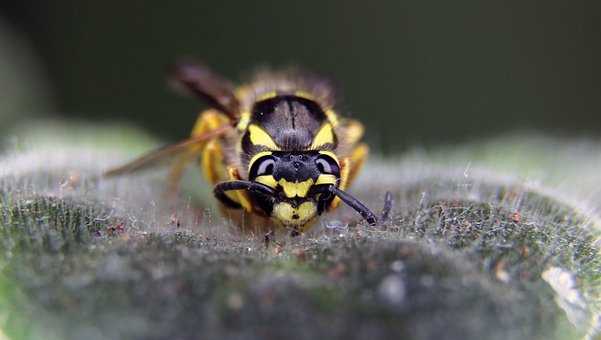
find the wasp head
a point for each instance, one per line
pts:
(296, 178)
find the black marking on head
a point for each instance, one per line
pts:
(290, 120)
(295, 167)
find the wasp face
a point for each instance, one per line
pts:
(296, 178)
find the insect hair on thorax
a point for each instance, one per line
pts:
(265, 82)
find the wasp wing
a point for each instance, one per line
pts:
(199, 80)
(165, 154)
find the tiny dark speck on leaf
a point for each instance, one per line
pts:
(337, 272)
(516, 217)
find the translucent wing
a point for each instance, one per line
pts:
(165, 154)
(200, 81)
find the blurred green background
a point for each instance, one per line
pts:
(416, 72)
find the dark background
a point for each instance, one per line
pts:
(419, 72)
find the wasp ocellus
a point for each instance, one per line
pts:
(275, 149)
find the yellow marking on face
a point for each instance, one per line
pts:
(244, 121)
(289, 215)
(305, 95)
(326, 179)
(259, 136)
(268, 180)
(332, 117)
(257, 156)
(331, 154)
(293, 189)
(268, 95)
(324, 136)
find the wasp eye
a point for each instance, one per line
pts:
(265, 166)
(326, 165)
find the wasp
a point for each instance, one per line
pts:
(275, 149)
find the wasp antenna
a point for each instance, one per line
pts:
(354, 203)
(221, 188)
(199, 80)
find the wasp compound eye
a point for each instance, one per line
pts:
(327, 165)
(266, 166)
(263, 166)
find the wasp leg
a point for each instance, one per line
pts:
(207, 122)
(210, 120)
(354, 203)
(351, 131)
(212, 160)
(239, 196)
(349, 168)
(221, 188)
(358, 157)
